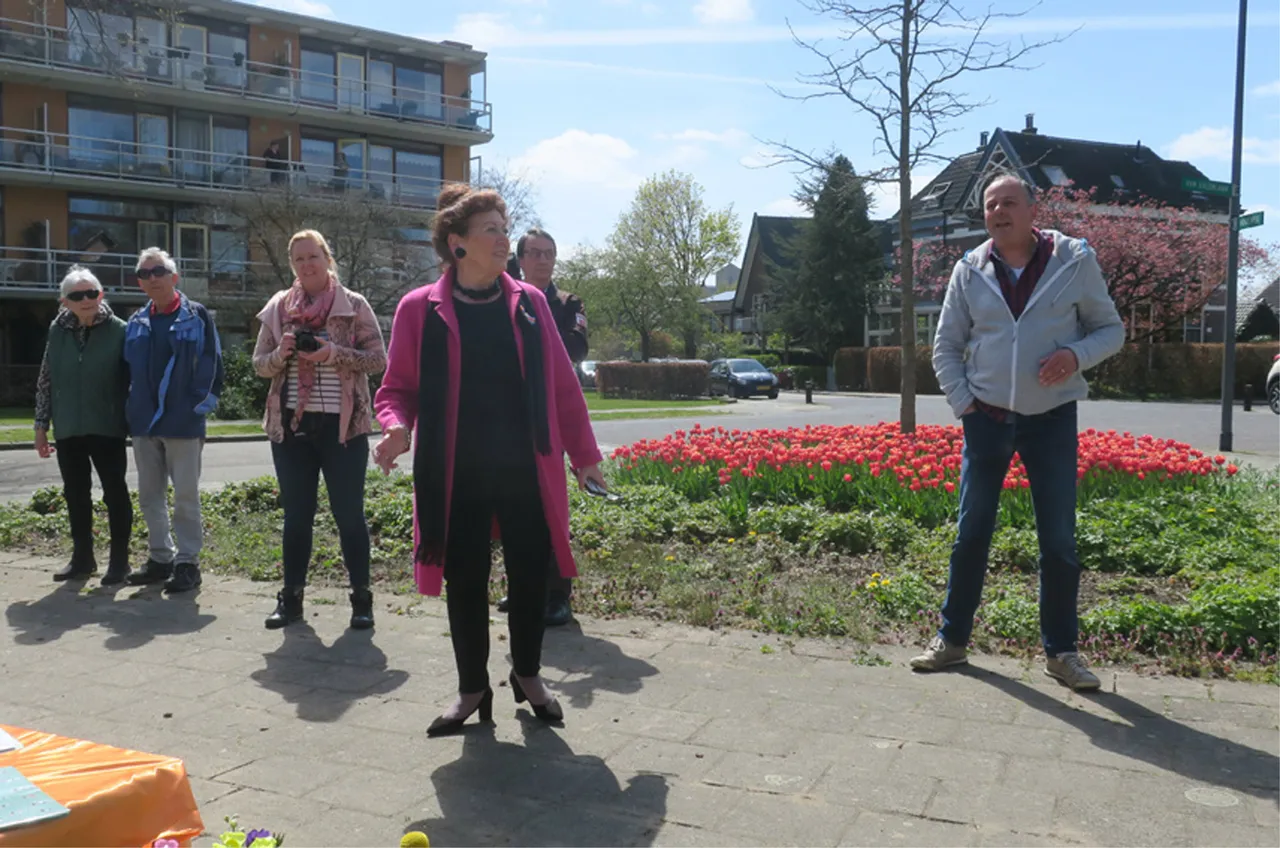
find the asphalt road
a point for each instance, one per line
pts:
(1256, 433)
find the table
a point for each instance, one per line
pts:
(116, 796)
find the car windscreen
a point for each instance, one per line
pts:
(745, 366)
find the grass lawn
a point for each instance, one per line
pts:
(656, 413)
(216, 428)
(15, 415)
(595, 403)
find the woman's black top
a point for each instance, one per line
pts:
(493, 419)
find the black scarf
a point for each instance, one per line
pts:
(433, 395)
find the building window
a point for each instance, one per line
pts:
(1056, 175)
(230, 151)
(319, 82)
(226, 59)
(418, 93)
(228, 251)
(318, 156)
(100, 139)
(382, 87)
(418, 175)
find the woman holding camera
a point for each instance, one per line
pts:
(318, 344)
(478, 374)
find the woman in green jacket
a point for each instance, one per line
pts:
(81, 390)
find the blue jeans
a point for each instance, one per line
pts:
(299, 461)
(1047, 444)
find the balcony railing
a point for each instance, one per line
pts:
(235, 75)
(76, 155)
(226, 277)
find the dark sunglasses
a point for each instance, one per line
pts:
(84, 294)
(156, 273)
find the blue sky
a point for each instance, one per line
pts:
(592, 96)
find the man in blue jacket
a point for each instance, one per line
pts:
(175, 376)
(1025, 313)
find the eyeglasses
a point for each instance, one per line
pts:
(540, 254)
(83, 294)
(157, 273)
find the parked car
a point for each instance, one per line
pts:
(1273, 386)
(742, 378)
(587, 373)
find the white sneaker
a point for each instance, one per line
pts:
(939, 655)
(1068, 668)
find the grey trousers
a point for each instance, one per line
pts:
(158, 461)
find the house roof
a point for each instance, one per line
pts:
(1268, 299)
(1118, 172)
(1271, 295)
(766, 243)
(720, 297)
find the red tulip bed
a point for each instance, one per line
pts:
(845, 530)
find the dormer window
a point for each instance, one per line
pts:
(1055, 174)
(934, 198)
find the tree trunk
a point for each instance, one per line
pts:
(907, 328)
(644, 347)
(690, 344)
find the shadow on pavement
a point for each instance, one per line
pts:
(134, 619)
(539, 794)
(1155, 739)
(324, 681)
(602, 663)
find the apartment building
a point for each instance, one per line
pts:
(127, 124)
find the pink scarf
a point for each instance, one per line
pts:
(306, 312)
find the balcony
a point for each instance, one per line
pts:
(176, 75)
(156, 170)
(28, 272)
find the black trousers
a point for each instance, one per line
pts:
(300, 460)
(77, 457)
(513, 499)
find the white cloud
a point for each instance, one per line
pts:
(761, 157)
(483, 29)
(724, 11)
(1271, 88)
(727, 137)
(523, 36)
(298, 7)
(576, 157)
(784, 206)
(1214, 143)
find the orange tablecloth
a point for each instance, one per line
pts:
(116, 797)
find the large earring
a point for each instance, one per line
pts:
(459, 252)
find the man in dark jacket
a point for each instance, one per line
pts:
(536, 255)
(175, 368)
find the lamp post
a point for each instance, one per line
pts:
(1233, 243)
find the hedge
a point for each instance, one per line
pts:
(652, 380)
(1180, 371)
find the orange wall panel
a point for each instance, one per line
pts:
(456, 164)
(24, 205)
(22, 106)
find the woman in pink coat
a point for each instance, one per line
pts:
(477, 373)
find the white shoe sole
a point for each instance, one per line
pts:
(945, 665)
(1084, 687)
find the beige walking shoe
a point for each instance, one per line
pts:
(1069, 669)
(939, 655)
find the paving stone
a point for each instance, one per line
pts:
(637, 720)
(1032, 742)
(909, 727)
(688, 761)
(788, 819)
(370, 790)
(1219, 835)
(995, 838)
(876, 790)
(1116, 823)
(296, 818)
(293, 776)
(1000, 808)
(1242, 715)
(947, 763)
(674, 835)
(782, 775)
(1063, 779)
(879, 829)
(698, 805)
(746, 735)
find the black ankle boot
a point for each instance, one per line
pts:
(117, 566)
(81, 566)
(288, 609)
(361, 608)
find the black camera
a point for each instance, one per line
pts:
(306, 341)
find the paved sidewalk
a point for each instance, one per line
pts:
(674, 735)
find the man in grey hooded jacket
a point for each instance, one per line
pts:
(1025, 313)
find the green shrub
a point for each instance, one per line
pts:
(244, 393)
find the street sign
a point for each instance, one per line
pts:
(1206, 186)
(1247, 221)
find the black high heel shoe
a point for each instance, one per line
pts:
(444, 726)
(550, 711)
